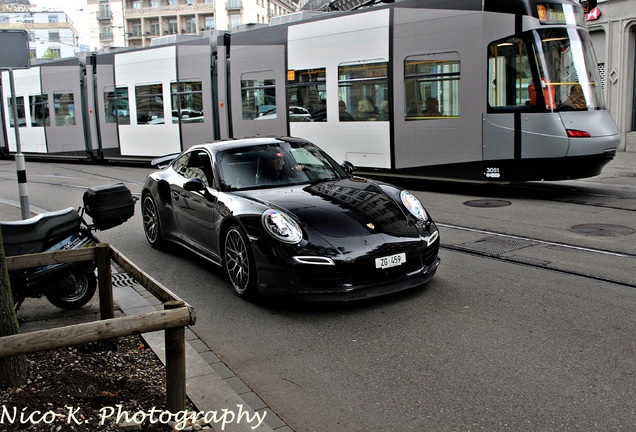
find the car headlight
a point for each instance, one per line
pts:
(281, 226)
(413, 205)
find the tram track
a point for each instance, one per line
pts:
(504, 247)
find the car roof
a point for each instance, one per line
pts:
(245, 142)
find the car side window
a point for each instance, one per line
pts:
(195, 164)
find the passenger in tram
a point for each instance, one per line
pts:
(383, 115)
(576, 100)
(344, 114)
(365, 111)
(413, 108)
(432, 108)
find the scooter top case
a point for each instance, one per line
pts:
(35, 234)
(109, 205)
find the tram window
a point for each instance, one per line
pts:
(39, 106)
(116, 108)
(187, 102)
(64, 107)
(307, 92)
(509, 74)
(149, 101)
(19, 104)
(363, 90)
(431, 87)
(258, 96)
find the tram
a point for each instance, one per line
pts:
(493, 90)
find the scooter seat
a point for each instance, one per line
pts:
(32, 235)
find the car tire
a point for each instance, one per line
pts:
(152, 222)
(85, 285)
(239, 262)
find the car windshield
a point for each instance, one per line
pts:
(276, 164)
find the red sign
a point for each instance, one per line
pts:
(593, 15)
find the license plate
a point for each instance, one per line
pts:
(390, 261)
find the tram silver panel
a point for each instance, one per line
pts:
(542, 136)
(258, 63)
(61, 83)
(105, 83)
(194, 64)
(462, 35)
(600, 126)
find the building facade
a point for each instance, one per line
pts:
(134, 23)
(51, 33)
(613, 30)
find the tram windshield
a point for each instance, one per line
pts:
(568, 69)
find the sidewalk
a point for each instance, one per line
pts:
(210, 384)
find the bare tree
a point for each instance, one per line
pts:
(13, 370)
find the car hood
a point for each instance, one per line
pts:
(340, 208)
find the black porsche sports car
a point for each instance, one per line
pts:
(283, 218)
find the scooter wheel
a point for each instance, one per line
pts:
(85, 286)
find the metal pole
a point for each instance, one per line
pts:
(19, 157)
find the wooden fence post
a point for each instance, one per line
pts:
(175, 364)
(105, 281)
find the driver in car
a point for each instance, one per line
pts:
(274, 169)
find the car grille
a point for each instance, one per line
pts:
(363, 271)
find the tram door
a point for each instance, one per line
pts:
(257, 90)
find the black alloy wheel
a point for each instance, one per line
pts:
(240, 265)
(152, 224)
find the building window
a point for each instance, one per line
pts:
(258, 95)
(136, 4)
(172, 26)
(235, 21)
(116, 109)
(187, 102)
(53, 19)
(54, 36)
(39, 106)
(64, 107)
(191, 25)
(54, 52)
(136, 29)
(154, 29)
(155, 3)
(431, 86)
(307, 89)
(364, 89)
(149, 101)
(209, 23)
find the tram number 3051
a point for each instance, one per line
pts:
(492, 173)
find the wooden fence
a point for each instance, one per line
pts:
(173, 319)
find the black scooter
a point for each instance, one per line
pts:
(65, 285)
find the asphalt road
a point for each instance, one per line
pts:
(488, 344)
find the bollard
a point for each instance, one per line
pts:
(175, 364)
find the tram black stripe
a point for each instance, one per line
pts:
(517, 135)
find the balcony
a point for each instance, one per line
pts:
(104, 15)
(169, 10)
(234, 5)
(105, 37)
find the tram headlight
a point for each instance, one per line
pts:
(413, 205)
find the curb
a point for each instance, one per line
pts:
(210, 384)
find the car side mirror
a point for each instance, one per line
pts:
(348, 167)
(194, 185)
